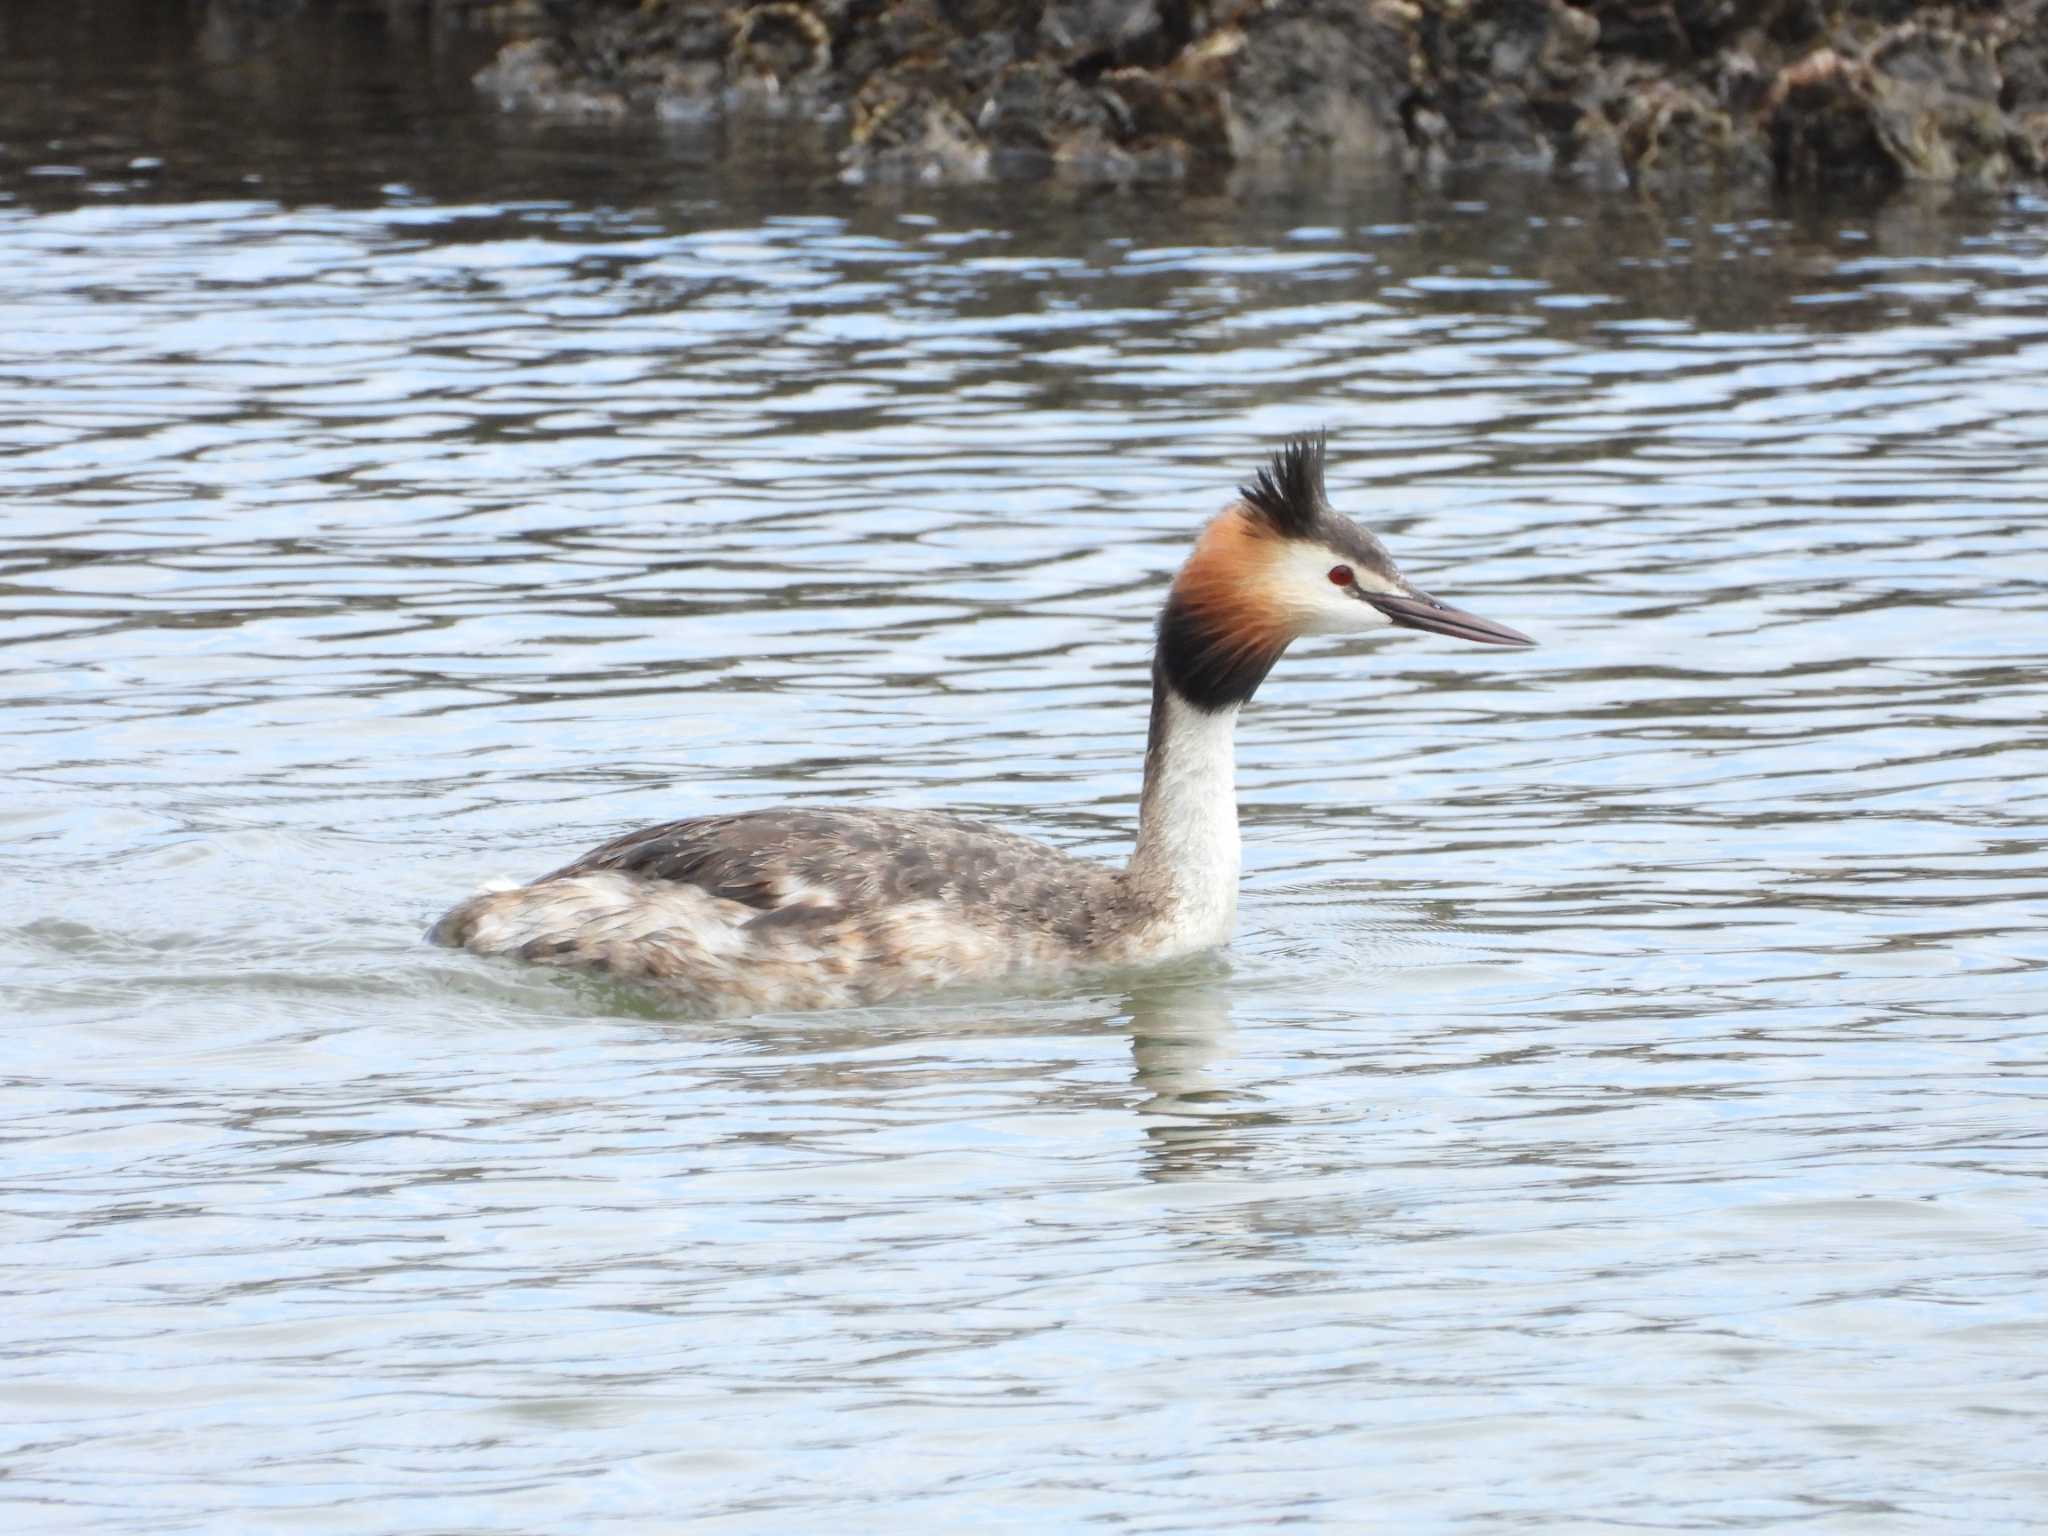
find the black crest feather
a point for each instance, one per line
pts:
(1288, 492)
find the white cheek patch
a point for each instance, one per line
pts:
(1315, 605)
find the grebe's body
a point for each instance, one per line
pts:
(810, 908)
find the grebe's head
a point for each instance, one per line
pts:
(1277, 564)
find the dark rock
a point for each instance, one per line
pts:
(906, 128)
(1112, 33)
(613, 58)
(2023, 64)
(1509, 74)
(1922, 103)
(888, 36)
(1817, 112)
(1676, 132)
(1036, 113)
(1187, 108)
(971, 17)
(1659, 91)
(1710, 25)
(777, 45)
(1593, 151)
(1883, 13)
(538, 75)
(1647, 29)
(1937, 106)
(977, 62)
(1739, 83)
(1797, 23)
(1321, 75)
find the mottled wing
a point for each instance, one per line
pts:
(797, 861)
(736, 858)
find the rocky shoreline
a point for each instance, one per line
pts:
(1649, 92)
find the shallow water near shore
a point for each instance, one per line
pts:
(1622, 1108)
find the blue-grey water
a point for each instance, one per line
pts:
(1623, 1107)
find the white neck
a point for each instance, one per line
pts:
(1187, 852)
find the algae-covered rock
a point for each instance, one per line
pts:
(1324, 76)
(1510, 77)
(1649, 91)
(1924, 100)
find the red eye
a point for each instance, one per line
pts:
(1341, 575)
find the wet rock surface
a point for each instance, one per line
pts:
(1650, 91)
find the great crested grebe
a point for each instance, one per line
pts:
(802, 907)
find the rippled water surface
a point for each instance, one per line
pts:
(1622, 1109)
